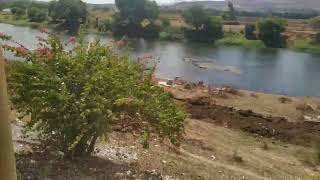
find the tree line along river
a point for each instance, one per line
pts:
(279, 71)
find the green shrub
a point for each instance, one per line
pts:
(165, 22)
(172, 33)
(17, 11)
(203, 27)
(131, 18)
(239, 40)
(36, 14)
(105, 26)
(270, 32)
(305, 45)
(250, 31)
(315, 22)
(151, 31)
(75, 97)
(317, 38)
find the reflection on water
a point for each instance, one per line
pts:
(270, 70)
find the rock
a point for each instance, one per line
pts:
(307, 118)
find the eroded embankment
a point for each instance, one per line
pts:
(301, 133)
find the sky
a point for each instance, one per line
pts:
(112, 1)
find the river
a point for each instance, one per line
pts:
(278, 71)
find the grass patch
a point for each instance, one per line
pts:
(10, 19)
(305, 45)
(239, 40)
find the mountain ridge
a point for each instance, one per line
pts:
(253, 5)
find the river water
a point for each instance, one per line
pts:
(279, 71)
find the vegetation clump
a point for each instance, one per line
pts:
(270, 32)
(136, 18)
(315, 22)
(69, 13)
(249, 31)
(36, 15)
(239, 40)
(75, 97)
(202, 26)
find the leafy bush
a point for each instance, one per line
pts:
(172, 33)
(166, 22)
(230, 15)
(71, 12)
(105, 26)
(317, 38)
(250, 31)
(315, 22)
(75, 97)
(131, 17)
(270, 31)
(204, 28)
(239, 40)
(305, 45)
(36, 14)
(151, 31)
(17, 11)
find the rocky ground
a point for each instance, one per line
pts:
(230, 134)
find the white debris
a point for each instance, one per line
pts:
(163, 83)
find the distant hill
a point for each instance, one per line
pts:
(205, 4)
(254, 5)
(277, 5)
(3, 1)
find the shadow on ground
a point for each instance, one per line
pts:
(45, 166)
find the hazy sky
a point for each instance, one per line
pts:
(112, 1)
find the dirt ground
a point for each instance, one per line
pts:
(292, 108)
(230, 134)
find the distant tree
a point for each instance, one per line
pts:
(36, 14)
(104, 26)
(17, 11)
(317, 38)
(52, 10)
(232, 12)
(315, 22)
(203, 27)
(250, 31)
(270, 31)
(70, 12)
(134, 16)
(230, 15)
(166, 22)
